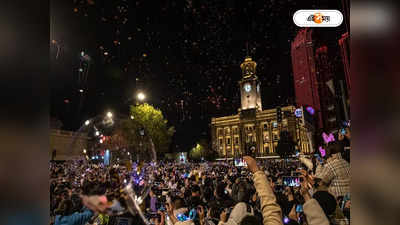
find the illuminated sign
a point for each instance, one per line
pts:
(298, 112)
(310, 110)
(322, 151)
(327, 138)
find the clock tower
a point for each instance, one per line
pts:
(249, 86)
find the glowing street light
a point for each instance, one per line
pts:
(109, 115)
(141, 96)
(87, 122)
(132, 117)
(97, 133)
(84, 151)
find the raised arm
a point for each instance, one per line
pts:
(272, 213)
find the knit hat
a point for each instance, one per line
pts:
(327, 202)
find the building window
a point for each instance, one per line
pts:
(236, 140)
(228, 141)
(266, 149)
(275, 124)
(248, 138)
(266, 137)
(284, 123)
(265, 126)
(220, 142)
(276, 137)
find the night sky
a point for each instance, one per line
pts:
(185, 55)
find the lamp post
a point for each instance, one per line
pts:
(141, 96)
(109, 115)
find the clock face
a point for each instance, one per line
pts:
(247, 87)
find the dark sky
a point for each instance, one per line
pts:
(185, 55)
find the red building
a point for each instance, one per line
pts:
(326, 89)
(344, 44)
(315, 80)
(305, 74)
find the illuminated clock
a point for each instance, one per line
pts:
(247, 87)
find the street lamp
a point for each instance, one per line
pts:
(84, 151)
(87, 122)
(141, 96)
(109, 115)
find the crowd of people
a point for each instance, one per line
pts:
(311, 190)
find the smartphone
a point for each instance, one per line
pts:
(192, 214)
(291, 181)
(240, 162)
(318, 158)
(299, 208)
(182, 217)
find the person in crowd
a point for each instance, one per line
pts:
(177, 210)
(68, 214)
(206, 194)
(271, 211)
(241, 209)
(335, 173)
(345, 140)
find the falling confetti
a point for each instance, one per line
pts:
(196, 58)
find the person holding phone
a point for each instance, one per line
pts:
(311, 208)
(271, 211)
(344, 137)
(335, 173)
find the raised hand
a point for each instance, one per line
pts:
(223, 216)
(95, 203)
(251, 164)
(200, 211)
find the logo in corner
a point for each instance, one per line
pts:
(319, 18)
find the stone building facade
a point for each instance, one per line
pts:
(233, 135)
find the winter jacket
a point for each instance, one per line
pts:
(271, 211)
(314, 213)
(77, 218)
(335, 172)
